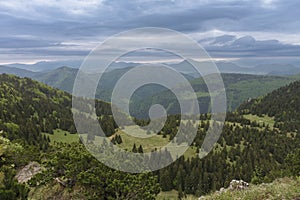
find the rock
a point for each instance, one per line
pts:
(234, 185)
(60, 182)
(27, 172)
(238, 185)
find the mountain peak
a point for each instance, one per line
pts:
(244, 41)
(65, 68)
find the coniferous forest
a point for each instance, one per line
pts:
(249, 149)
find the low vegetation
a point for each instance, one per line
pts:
(283, 188)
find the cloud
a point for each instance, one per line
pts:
(25, 42)
(247, 46)
(47, 10)
(116, 15)
(48, 26)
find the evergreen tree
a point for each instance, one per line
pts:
(134, 149)
(140, 149)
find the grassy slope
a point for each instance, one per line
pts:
(265, 119)
(285, 188)
(62, 136)
(148, 144)
(171, 195)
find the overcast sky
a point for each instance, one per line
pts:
(42, 30)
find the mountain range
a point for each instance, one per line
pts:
(266, 67)
(239, 87)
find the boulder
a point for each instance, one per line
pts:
(238, 185)
(27, 172)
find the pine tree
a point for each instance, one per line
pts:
(134, 149)
(119, 139)
(140, 149)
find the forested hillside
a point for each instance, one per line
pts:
(254, 147)
(30, 111)
(255, 151)
(28, 108)
(282, 104)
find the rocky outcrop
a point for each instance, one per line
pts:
(238, 185)
(27, 172)
(234, 185)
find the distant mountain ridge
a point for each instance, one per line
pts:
(46, 66)
(239, 87)
(184, 67)
(16, 71)
(63, 78)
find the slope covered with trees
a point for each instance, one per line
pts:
(246, 150)
(282, 104)
(28, 110)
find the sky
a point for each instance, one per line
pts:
(53, 30)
